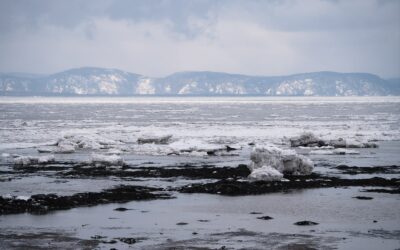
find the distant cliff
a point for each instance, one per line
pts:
(98, 81)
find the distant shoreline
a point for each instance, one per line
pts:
(197, 99)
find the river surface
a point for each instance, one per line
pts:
(112, 126)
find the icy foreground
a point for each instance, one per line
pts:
(271, 163)
(197, 161)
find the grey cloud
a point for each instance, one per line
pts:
(29, 14)
(291, 15)
(241, 36)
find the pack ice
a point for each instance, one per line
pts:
(271, 163)
(70, 143)
(309, 139)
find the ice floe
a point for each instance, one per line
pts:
(338, 151)
(284, 161)
(155, 139)
(5, 155)
(65, 147)
(33, 160)
(189, 145)
(73, 142)
(106, 160)
(16, 197)
(151, 149)
(265, 173)
(186, 146)
(309, 139)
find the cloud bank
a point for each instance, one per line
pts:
(157, 38)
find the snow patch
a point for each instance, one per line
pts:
(145, 87)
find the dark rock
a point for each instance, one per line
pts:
(181, 223)
(256, 213)
(265, 218)
(121, 209)
(229, 148)
(97, 237)
(127, 240)
(203, 220)
(109, 242)
(306, 223)
(363, 197)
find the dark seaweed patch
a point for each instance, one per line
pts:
(42, 203)
(393, 169)
(238, 187)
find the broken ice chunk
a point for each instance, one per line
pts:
(284, 161)
(107, 160)
(265, 173)
(33, 160)
(155, 139)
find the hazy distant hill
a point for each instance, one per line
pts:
(98, 81)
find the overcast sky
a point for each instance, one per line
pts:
(157, 38)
